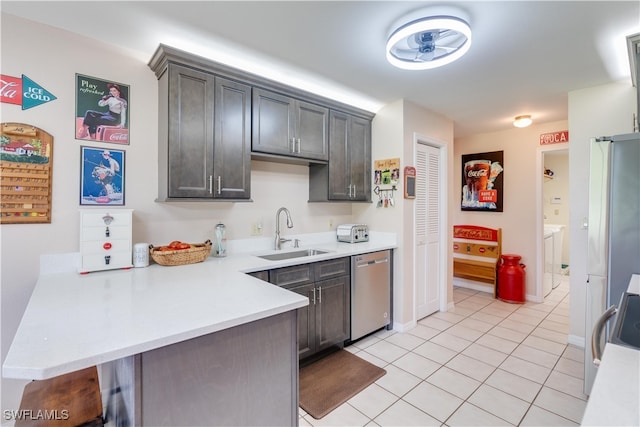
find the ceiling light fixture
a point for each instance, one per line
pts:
(522, 121)
(429, 42)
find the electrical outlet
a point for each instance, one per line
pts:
(257, 229)
(330, 223)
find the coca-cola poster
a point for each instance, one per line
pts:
(482, 181)
(102, 110)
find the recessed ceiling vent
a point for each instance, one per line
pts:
(429, 42)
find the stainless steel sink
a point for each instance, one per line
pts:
(295, 254)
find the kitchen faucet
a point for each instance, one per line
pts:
(280, 241)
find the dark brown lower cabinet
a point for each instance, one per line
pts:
(325, 322)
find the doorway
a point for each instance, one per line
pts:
(430, 226)
(554, 219)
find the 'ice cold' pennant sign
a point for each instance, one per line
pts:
(23, 91)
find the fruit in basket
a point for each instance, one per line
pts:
(176, 245)
(178, 255)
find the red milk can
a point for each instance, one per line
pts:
(512, 279)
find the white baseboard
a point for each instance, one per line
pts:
(478, 286)
(470, 284)
(404, 327)
(533, 298)
(576, 340)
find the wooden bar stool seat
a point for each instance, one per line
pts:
(71, 399)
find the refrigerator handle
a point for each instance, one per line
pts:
(596, 336)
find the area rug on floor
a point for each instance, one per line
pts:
(334, 379)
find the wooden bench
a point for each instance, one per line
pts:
(476, 254)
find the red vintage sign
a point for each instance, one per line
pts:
(489, 196)
(475, 232)
(23, 91)
(11, 90)
(554, 137)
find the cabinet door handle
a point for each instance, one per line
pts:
(298, 145)
(314, 296)
(219, 184)
(293, 145)
(210, 184)
(319, 294)
(354, 191)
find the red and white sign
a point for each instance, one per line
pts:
(489, 196)
(11, 90)
(23, 91)
(554, 137)
(113, 134)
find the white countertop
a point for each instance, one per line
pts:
(615, 396)
(73, 321)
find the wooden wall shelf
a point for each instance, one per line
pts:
(26, 169)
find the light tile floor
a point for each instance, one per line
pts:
(485, 363)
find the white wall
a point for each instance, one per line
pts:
(386, 141)
(520, 201)
(557, 188)
(427, 124)
(394, 129)
(51, 57)
(598, 111)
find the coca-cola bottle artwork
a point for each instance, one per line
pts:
(478, 190)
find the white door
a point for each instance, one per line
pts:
(427, 229)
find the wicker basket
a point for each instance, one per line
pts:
(197, 253)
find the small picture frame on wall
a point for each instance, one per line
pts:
(102, 177)
(409, 182)
(102, 110)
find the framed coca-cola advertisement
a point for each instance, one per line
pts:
(482, 181)
(102, 110)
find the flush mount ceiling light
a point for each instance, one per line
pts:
(429, 42)
(522, 121)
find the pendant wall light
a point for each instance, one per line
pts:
(522, 121)
(429, 42)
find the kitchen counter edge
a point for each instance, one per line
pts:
(73, 321)
(615, 396)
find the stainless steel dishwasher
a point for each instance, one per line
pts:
(370, 293)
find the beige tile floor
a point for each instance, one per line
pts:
(485, 363)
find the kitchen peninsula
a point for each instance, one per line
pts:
(188, 345)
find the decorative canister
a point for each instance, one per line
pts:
(512, 279)
(141, 255)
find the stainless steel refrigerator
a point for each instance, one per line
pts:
(613, 230)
